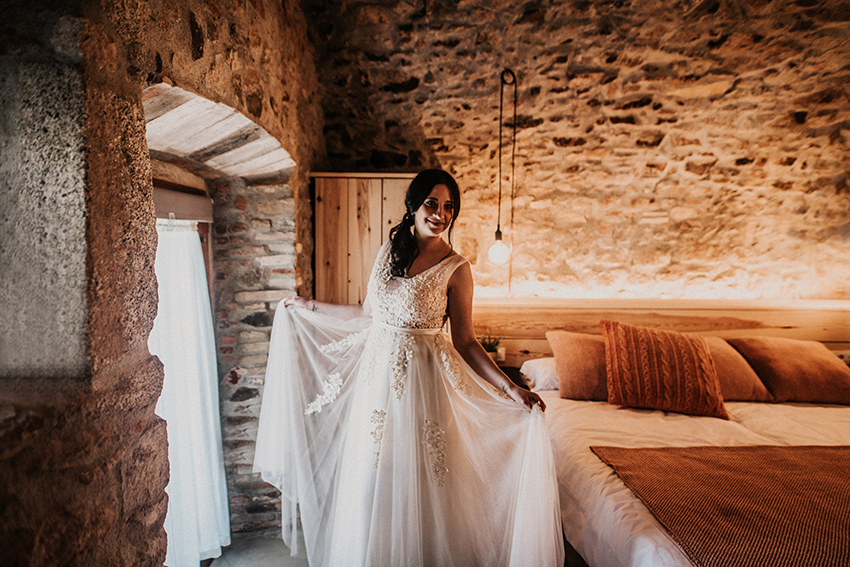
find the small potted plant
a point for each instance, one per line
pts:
(491, 345)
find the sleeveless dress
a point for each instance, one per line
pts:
(392, 448)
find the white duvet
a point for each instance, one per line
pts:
(603, 520)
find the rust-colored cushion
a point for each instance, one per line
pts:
(580, 363)
(738, 381)
(797, 371)
(663, 370)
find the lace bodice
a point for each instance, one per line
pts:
(418, 302)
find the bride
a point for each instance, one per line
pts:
(398, 445)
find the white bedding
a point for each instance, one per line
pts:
(603, 520)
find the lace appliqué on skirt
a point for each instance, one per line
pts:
(402, 354)
(330, 390)
(378, 418)
(399, 364)
(343, 343)
(451, 365)
(436, 446)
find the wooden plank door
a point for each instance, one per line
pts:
(393, 204)
(332, 202)
(364, 234)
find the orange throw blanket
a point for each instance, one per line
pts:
(745, 506)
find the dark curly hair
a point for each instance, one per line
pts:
(403, 247)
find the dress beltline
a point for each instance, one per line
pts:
(407, 330)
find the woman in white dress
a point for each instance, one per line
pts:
(398, 445)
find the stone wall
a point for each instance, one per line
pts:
(255, 264)
(256, 58)
(83, 464)
(664, 150)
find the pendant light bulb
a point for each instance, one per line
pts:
(499, 253)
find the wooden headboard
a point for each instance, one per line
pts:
(523, 322)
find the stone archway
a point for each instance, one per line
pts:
(254, 254)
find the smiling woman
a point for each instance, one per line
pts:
(432, 204)
(436, 436)
(436, 212)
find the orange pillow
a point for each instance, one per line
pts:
(738, 381)
(797, 371)
(663, 370)
(580, 363)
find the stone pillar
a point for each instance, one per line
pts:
(83, 457)
(255, 264)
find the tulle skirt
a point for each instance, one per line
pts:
(397, 453)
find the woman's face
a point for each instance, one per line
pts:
(435, 214)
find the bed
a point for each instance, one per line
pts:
(783, 412)
(603, 520)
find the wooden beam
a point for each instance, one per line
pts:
(174, 177)
(523, 322)
(332, 174)
(183, 206)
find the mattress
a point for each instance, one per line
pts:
(603, 520)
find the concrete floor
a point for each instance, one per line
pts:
(260, 552)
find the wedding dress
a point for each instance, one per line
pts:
(393, 449)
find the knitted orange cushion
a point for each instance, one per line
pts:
(663, 370)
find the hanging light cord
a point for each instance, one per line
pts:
(513, 151)
(507, 78)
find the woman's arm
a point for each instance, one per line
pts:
(332, 309)
(463, 337)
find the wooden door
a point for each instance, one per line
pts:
(332, 239)
(364, 234)
(393, 204)
(354, 216)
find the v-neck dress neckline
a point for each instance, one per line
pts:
(449, 256)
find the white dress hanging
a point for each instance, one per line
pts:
(198, 520)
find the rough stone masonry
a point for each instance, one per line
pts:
(83, 456)
(664, 150)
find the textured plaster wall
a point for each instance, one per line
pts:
(42, 220)
(664, 149)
